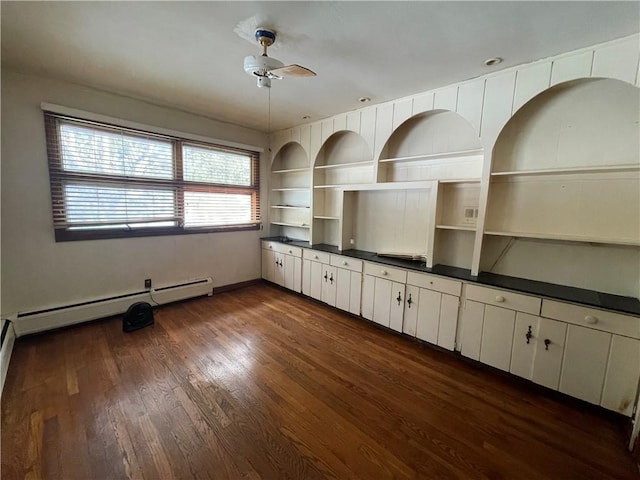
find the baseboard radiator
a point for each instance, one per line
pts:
(62, 316)
(8, 339)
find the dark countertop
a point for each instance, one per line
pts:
(558, 292)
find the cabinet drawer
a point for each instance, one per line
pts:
(316, 256)
(504, 298)
(433, 282)
(282, 248)
(592, 318)
(383, 271)
(347, 263)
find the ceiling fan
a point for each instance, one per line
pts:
(265, 67)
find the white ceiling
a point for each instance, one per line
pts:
(187, 55)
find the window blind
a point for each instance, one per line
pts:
(115, 181)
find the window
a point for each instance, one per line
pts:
(109, 181)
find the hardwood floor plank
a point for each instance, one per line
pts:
(260, 383)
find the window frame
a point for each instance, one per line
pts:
(58, 177)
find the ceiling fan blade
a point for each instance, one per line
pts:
(292, 71)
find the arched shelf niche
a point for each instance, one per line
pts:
(290, 195)
(564, 196)
(434, 145)
(344, 159)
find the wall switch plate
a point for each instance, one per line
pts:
(147, 283)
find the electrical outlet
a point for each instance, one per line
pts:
(147, 283)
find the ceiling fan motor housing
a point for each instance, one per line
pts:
(260, 65)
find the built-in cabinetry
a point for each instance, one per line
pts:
(383, 295)
(290, 195)
(282, 264)
(431, 309)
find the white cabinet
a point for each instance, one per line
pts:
(282, 264)
(313, 269)
(328, 289)
(488, 325)
(431, 309)
(585, 363)
(348, 283)
(383, 292)
(621, 377)
(549, 350)
(524, 344)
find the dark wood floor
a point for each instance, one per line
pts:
(261, 383)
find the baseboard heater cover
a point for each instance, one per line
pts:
(46, 319)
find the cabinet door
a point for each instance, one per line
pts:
(316, 280)
(497, 337)
(585, 362)
(549, 351)
(289, 269)
(428, 315)
(297, 274)
(306, 277)
(382, 301)
(448, 321)
(355, 292)
(368, 292)
(343, 289)
(524, 345)
(623, 371)
(471, 324)
(396, 313)
(329, 285)
(279, 266)
(268, 262)
(411, 304)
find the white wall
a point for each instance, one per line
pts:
(37, 272)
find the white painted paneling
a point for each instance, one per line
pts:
(368, 127)
(295, 134)
(618, 60)
(402, 110)
(530, 81)
(384, 122)
(446, 98)
(422, 103)
(353, 122)
(327, 129)
(470, 96)
(497, 337)
(496, 110)
(572, 67)
(315, 142)
(340, 122)
(428, 315)
(305, 138)
(382, 301)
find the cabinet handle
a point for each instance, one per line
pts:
(591, 319)
(399, 299)
(291, 251)
(331, 279)
(529, 335)
(276, 261)
(409, 301)
(546, 343)
(280, 262)
(345, 263)
(325, 276)
(315, 257)
(271, 247)
(499, 298)
(384, 272)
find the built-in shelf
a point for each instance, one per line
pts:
(291, 170)
(435, 156)
(293, 207)
(565, 171)
(300, 189)
(465, 228)
(567, 238)
(325, 217)
(327, 186)
(460, 180)
(287, 224)
(344, 165)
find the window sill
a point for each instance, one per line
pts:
(64, 235)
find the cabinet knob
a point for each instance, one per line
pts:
(271, 246)
(345, 263)
(384, 272)
(290, 251)
(315, 257)
(499, 298)
(430, 282)
(591, 319)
